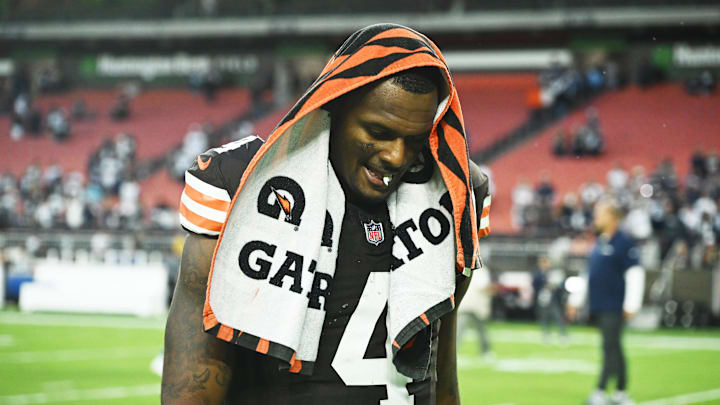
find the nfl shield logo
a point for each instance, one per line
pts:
(374, 232)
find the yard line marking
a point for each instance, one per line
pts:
(81, 395)
(683, 399)
(668, 342)
(80, 320)
(53, 356)
(530, 365)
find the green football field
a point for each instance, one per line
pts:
(77, 359)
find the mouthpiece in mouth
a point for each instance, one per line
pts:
(387, 179)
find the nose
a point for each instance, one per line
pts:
(394, 154)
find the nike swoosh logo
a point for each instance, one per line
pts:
(203, 165)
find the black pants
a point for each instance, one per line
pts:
(611, 325)
(550, 315)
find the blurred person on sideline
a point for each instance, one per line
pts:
(548, 286)
(476, 312)
(615, 288)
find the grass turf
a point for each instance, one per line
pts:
(68, 359)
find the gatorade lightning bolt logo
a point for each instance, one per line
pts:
(282, 198)
(285, 204)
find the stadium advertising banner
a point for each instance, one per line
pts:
(175, 69)
(150, 67)
(685, 55)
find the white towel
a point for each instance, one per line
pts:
(272, 313)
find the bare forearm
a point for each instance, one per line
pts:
(447, 384)
(198, 366)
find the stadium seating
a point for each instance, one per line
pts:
(641, 127)
(264, 126)
(493, 105)
(160, 119)
(160, 188)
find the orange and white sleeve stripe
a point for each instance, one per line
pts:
(203, 207)
(484, 228)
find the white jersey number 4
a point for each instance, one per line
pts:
(349, 362)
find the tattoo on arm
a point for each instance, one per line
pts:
(197, 366)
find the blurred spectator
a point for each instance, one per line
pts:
(244, 129)
(543, 207)
(665, 177)
(708, 241)
(699, 164)
(559, 144)
(701, 85)
(617, 178)
(125, 148)
(549, 297)
(164, 217)
(476, 310)
(195, 142)
(545, 189)
(121, 110)
(16, 131)
(713, 163)
(571, 216)
(522, 197)
(590, 193)
(58, 123)
(129, 204)
(80, 111)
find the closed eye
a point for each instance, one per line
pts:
(378, 133)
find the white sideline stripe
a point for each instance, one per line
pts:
(205, 188)
(541, 365)
(17, 318)
(203, 211)
(54, 356)
(197, 229)
(683, 399)
(635, 341)
(81, 395)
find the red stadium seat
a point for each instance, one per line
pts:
(641, 127)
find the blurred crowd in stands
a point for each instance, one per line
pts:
(563, 87)
(109, 198)
(658, 205)
(17, 96)
(586, 140)
(195, 142)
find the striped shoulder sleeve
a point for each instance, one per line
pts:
(210, 185)
(481, 190)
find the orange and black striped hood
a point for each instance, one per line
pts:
(378, 51)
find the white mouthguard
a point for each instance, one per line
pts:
(387, 179)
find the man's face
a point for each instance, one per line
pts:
(376, 137)
(603, 217)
